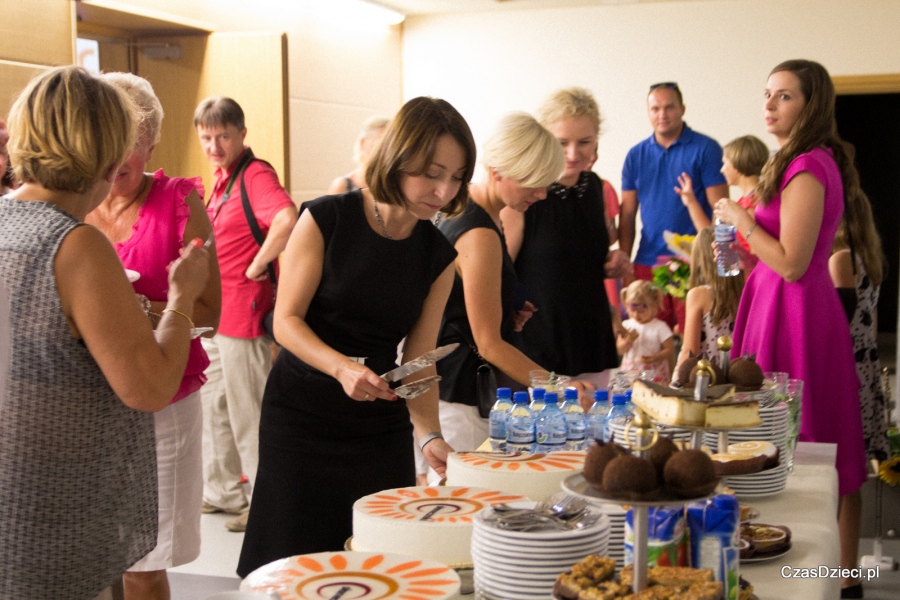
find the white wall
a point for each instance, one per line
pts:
(720, 52)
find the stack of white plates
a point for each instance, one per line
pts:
(524, 565)
(615, 549)
(774, 428)
(676, 434)
(764, 483)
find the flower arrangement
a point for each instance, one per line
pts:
(889, 471)
(674, 272)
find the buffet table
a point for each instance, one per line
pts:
(809, 507)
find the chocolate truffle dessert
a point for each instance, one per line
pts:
(630, 477)
(690, 474)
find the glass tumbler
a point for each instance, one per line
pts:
(793, 397)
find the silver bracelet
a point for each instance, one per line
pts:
(749, 231)
(434, 435)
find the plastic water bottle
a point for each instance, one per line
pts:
(596, 418)
(537, 400)
(520, 425)
(629, 405)
(727, 263)
(618, 415)
(499, 415)
(550, 425)
(575, 425)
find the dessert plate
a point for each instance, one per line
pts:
(766, 556)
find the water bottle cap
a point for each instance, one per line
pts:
(619, 399)
(628, 394)
(504, 392)
(538, 393)
(601, 395)
(520, 397)
(570, 394)
(551, 398)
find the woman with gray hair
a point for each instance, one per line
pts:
(521, 159)
(148, 217)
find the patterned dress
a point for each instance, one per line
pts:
(710, 334)
(865, 348)
(77, 466)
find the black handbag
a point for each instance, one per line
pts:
(485, 389)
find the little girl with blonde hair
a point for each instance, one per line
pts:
(647, 344)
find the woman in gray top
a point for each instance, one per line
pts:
(80, 366)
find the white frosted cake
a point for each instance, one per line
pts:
(535, 476)
(426, 522)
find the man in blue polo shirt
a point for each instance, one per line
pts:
(650, 180)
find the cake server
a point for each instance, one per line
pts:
(417, 364)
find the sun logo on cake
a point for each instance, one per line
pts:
(556, 461)
(357, 575)
(436, 505)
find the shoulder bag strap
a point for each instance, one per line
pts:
(254, 226)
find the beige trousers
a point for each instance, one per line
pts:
(232, 397)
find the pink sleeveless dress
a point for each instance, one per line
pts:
(155, 240)
(801, 328)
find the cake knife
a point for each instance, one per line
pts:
(417, 364)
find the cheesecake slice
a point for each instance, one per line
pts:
(677, 407)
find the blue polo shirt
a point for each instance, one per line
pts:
(653, 171)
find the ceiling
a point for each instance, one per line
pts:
(424, 7)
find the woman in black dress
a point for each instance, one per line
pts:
(521, 159)
(362, 271)
(561, 250)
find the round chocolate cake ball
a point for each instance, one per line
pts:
(629, 474)
(745, 374)
(690, 473)
(660, 453)
(597, 458)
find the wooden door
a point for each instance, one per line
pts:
(249, 67)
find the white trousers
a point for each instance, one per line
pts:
(232, 398)
(179, 466)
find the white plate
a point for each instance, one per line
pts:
(518, 546)
(132, 275)
(486, 557)
(514, 588)
(481, 525)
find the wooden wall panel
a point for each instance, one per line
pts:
(13, 78)
(38, 31)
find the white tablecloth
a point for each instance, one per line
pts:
(809, 507)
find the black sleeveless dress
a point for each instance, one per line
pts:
(320, 450)
(564, 248)
(457, 370)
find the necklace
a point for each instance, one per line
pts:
(384, 230)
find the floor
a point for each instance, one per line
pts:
(214, 570)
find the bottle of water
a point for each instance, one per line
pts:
(629, 405)
(618, 415)
(727, 262)
(537, 400)
(498, 417)
(550, 425)
(520, 425)
(575, 426)
(596, 418)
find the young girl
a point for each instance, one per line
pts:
(648, 343)
(857, 269)
(711, 302)
(743, 159)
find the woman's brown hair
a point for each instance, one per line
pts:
(408, 146)
(866, 241)
(725, 291)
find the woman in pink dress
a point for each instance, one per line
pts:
(790, 315)
(149, 217)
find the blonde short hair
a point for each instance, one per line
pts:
(570, 103)
(68, 128)
(149, 109)
(641, 291)
(747, 154)
(521, 149)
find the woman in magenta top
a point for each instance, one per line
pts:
(149, 218)
(790, 315)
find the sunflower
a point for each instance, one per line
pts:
(889, 471)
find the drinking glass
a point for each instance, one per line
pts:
(551, 382)
(793, 397)
(780, 378)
